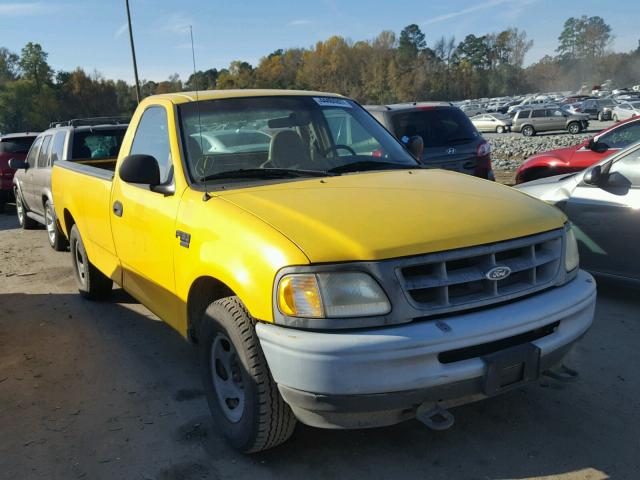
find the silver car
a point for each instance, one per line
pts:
(625, 110)
(603, 203)
(491, 122)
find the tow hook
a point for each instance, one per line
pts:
(434, 416)
(561, 373)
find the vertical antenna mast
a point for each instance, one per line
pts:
(206, 195)
(133, 52)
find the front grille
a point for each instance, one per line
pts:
(456, 280)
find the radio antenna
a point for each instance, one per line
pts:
(206, 195)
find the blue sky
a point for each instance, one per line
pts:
(92, 33)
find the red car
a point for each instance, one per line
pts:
(581, 156)
(12, 145)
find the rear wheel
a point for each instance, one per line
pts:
(528, 131)
(615, 118)
(574, 128)
(243, 397)
(92, 283)
(499, 129)
(57, 239)
(24, 221)
(600, 117)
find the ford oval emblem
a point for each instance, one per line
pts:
(498, 273)
(451, 151)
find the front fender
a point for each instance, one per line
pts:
(234, 247)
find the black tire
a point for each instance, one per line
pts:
(528, 131)
(25, 222)
(57, 240)
(574, 128)
(92, 283)
(264, 420)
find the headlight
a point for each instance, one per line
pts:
(331, 295)
(571, 257)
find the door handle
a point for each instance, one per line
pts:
(117, 208)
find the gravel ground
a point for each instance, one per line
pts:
(105, 391)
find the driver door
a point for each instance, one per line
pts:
(143, 221)
(607, 218)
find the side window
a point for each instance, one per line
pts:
(57, 147)
(33, 153)
(43, 156)
(538, 113)
(524, 114)
(626, 171)
(152, 138)
(622, 136)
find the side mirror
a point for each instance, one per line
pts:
(17, 164)
(416, 147)
(142, 169)
(593, 176)
(592, 144)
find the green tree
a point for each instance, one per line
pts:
(33, 64)
(412, 42)
(8, 65)
(584, 37)
(202, 80)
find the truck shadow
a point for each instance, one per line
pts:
(116, 360)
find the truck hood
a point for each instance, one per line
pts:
(379, 215)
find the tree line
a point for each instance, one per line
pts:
(389, 68)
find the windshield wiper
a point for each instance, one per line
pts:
(266, 173)
(365, 165)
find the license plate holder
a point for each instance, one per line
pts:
(511, 368)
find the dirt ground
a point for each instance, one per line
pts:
(106, 391)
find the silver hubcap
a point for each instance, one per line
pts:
(80, 265)
(227, 377)
(51, 224)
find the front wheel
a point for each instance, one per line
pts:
(600, 117)
(57, 239)
(574, 128)
(25, 222)
(615, 118)
(92, 283)
(243, 397)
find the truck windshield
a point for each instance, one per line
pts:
(294, 133)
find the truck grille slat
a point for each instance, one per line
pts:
(456, 280)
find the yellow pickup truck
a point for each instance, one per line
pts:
(324, 275)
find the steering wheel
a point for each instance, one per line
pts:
(337, 147)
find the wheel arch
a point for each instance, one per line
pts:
(203, 291)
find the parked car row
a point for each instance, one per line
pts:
(97, 140)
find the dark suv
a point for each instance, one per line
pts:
(12, 145)
(94, 140)
(450, 140)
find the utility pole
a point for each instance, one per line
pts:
(133, 52)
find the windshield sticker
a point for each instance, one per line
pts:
(332, 102)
